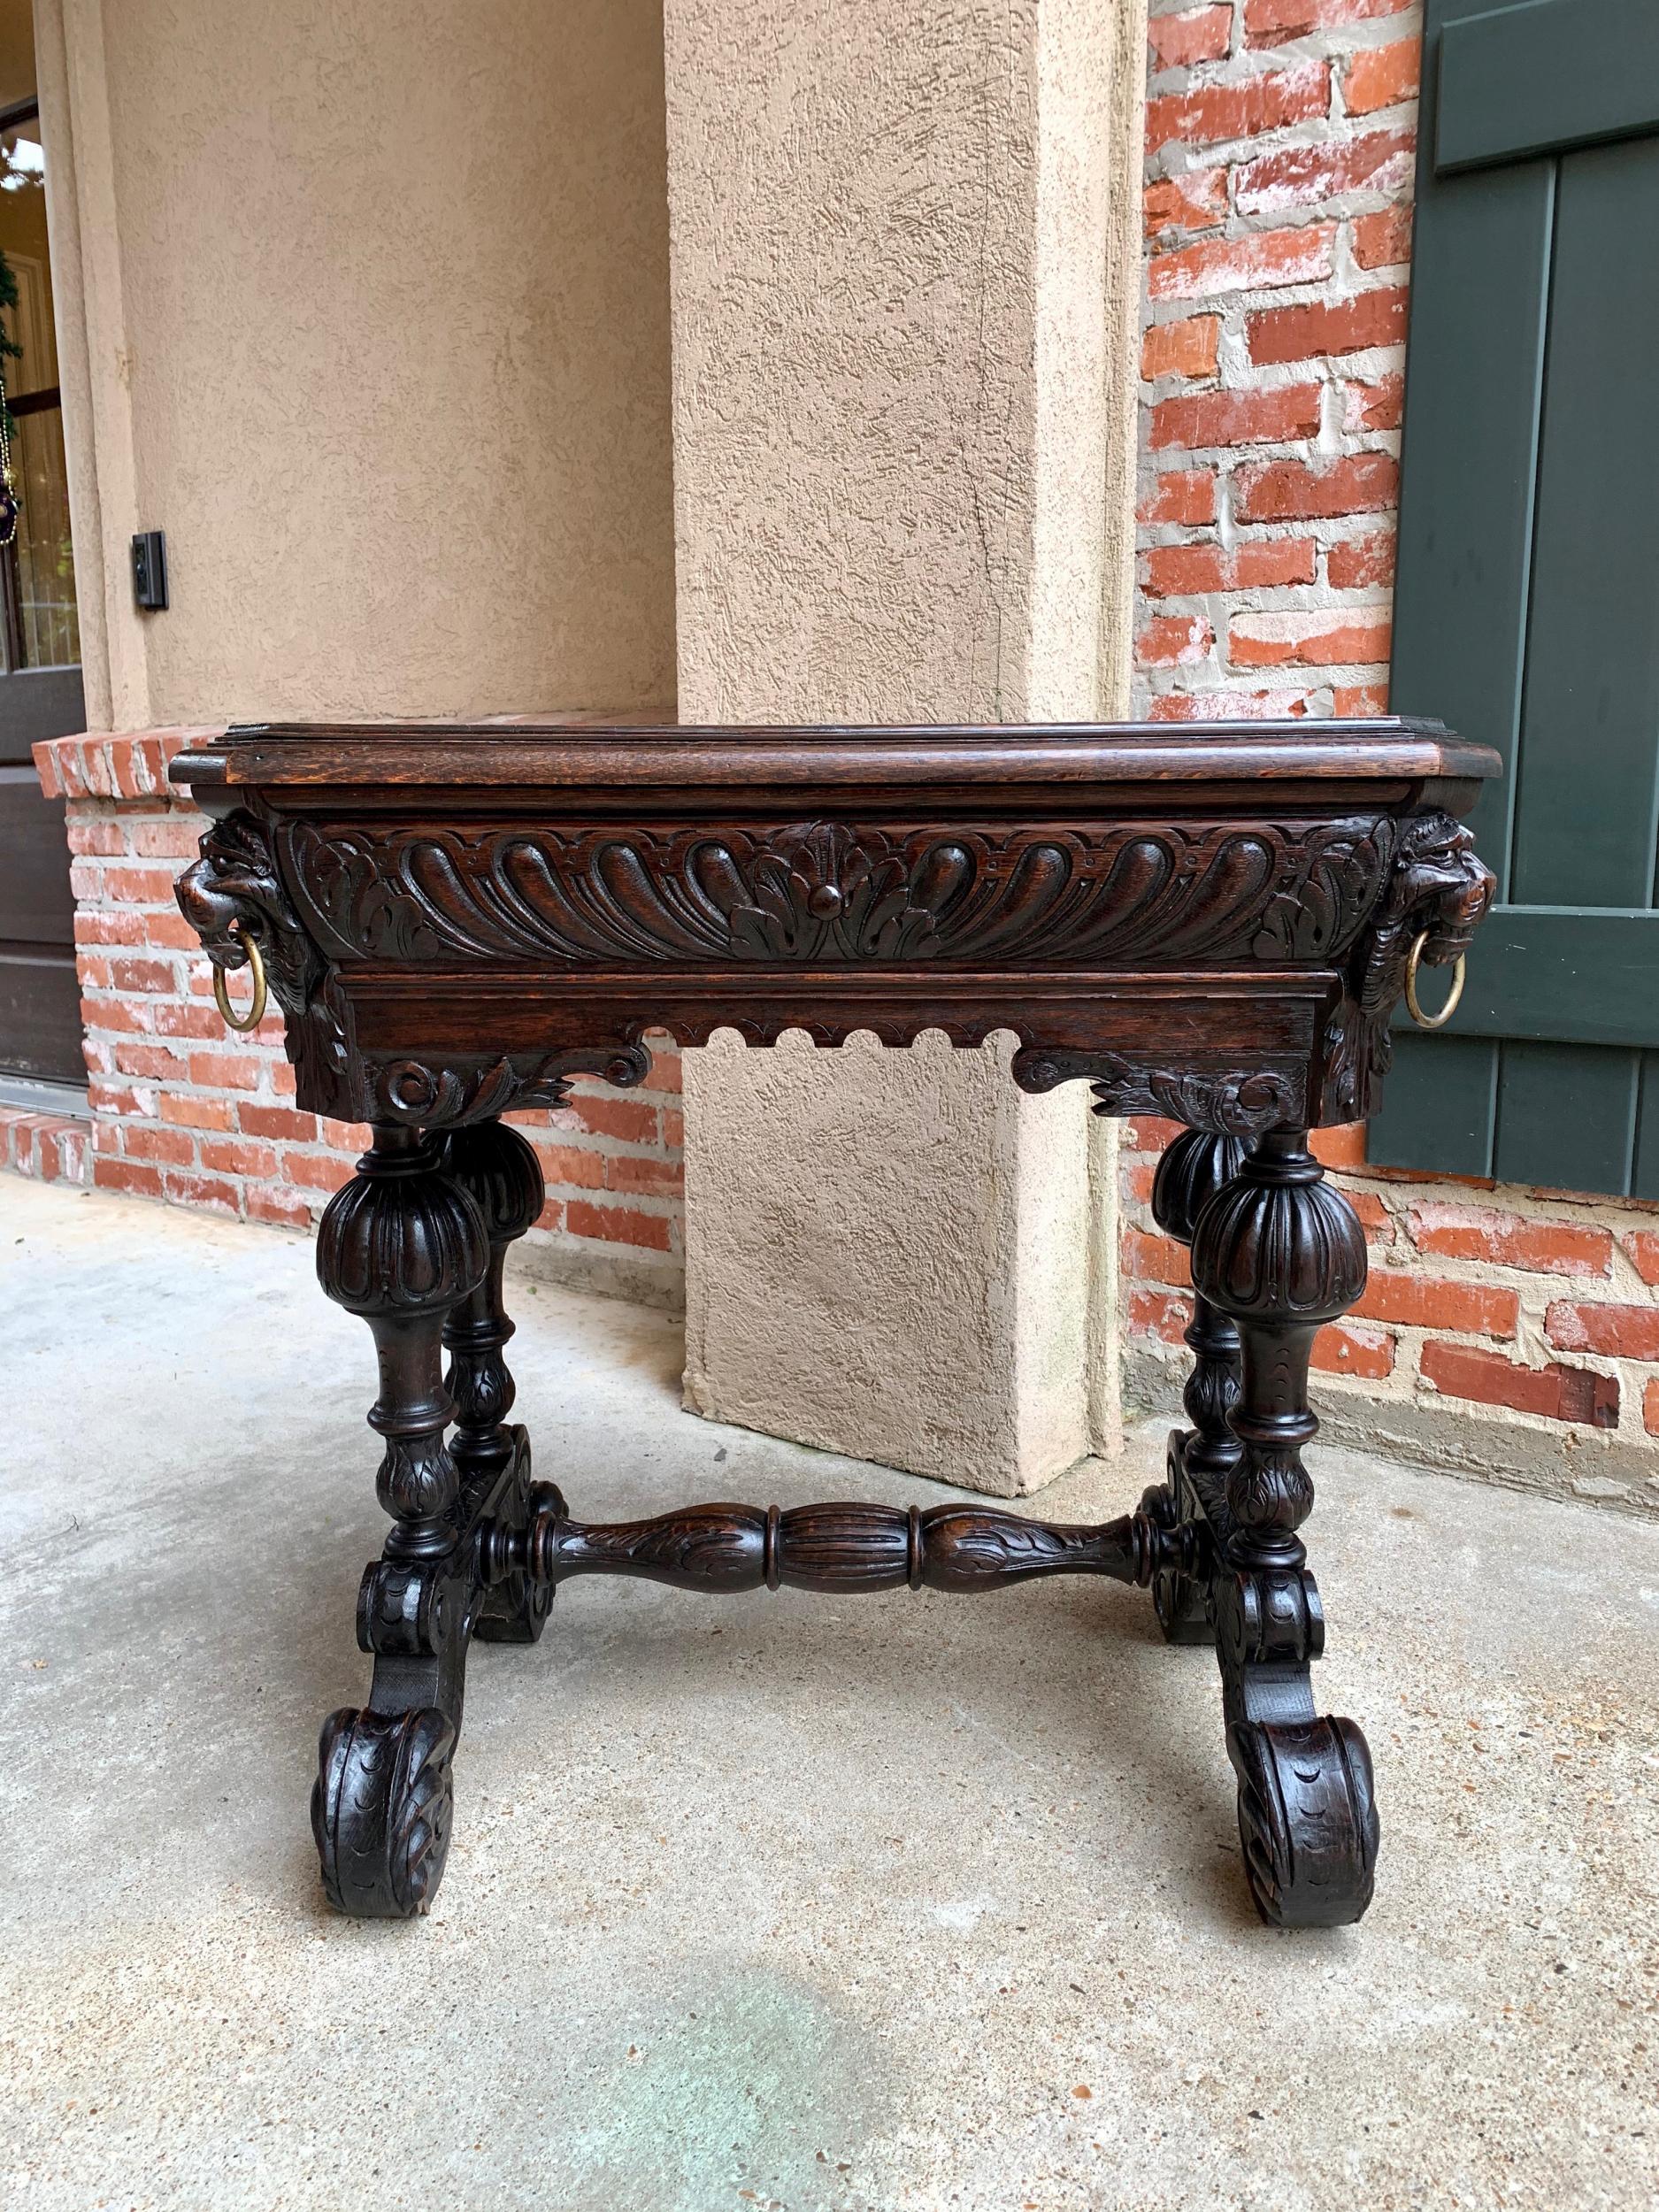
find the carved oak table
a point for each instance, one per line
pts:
(1213, 924)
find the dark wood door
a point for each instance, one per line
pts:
(40, 678)
(40, 1000)
(1527, 603)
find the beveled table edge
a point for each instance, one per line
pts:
(523, 752)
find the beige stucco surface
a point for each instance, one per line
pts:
(903, 259)
(373, 323)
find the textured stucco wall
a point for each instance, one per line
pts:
(903, 243)
(902, 276)
(375, 328)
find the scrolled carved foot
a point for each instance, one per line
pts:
(1177, 1598)
(1307, 1820)
(382, 1809)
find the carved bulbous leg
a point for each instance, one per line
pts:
(1192, 1170)
(499, 1170)
(401, 1244)
(1280, 1253)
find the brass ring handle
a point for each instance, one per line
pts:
(1439, 1020)
(254, 1015)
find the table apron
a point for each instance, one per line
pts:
(1273, 1013)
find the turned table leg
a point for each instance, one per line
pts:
(415, 1244)
(500, 1172)
(401, 1244)
(1200, 1459)
(1280, 1253)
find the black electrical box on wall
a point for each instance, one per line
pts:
(149, 570)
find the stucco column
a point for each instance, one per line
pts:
(904, 255)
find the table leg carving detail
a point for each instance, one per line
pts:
(1279, 1253)
(499, 1170)
(1201, 1458)
(403, 1244)
(382, 1809)
(416, 1245)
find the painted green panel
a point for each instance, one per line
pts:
(1564, 1116)
(1561, 975)
(1474, 377)
(1644, 1178)
(1544, 76)
(1527, 609)
(1474, 374)
(1437, 1105)
(1644, 1174)
(1586, 796)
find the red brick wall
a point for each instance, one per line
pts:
(1280, 139)
(183, 1109)
(1280, 136)
(1532, 1314)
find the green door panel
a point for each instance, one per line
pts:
(1527, 596)
(1587, 789)
(1568, 975)
(1644, 1174)
(1542, 76)
(1439, 1105)
(1551, 1091)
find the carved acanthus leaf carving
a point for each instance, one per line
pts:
(445, 1094)
(822, 893)
(1227, 1103)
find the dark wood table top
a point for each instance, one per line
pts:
(1413, 759)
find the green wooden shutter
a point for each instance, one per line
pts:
(1527, 597)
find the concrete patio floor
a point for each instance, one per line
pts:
(902, 1902)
